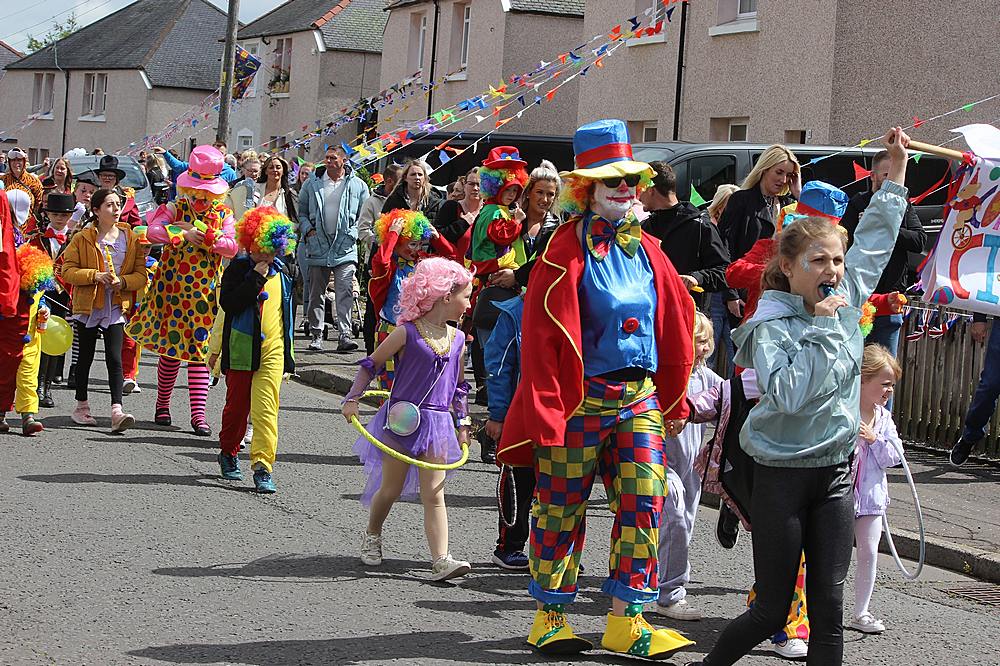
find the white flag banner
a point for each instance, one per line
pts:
(962, 269)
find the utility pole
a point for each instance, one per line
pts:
(228, 64)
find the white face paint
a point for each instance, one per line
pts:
(612, 204)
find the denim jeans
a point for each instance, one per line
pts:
(885, 331)
(984, 402)
(723, 336)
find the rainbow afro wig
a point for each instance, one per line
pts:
(416, 226)
(265, 230)
(36, 269)
(494, 181)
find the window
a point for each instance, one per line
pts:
(737, 131)
(649, 131)
(272, 143)
(95, 95)
(796, 136)
(281, 69)
(746, 8)
(649, 13)
(41, 99)
(418, 39)
(37, 155)
(245, 142)
(705, 173)
(466, 24)
(735, 16)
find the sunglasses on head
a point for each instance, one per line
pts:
(631, 180)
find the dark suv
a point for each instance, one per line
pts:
(708, 165)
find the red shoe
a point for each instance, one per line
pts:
(30, 427)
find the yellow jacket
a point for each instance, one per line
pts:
(82, 261)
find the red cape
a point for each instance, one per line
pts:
(551, 387)
(10, 274)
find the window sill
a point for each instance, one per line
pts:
(458, 76)
(648, 39)
(43, 116)
(734, 27)
(91, 119)
(283, 95)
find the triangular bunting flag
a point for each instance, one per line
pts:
(860, 173)
(696, 199)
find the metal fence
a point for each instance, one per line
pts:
(939, 378)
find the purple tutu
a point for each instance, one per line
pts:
(435, 439)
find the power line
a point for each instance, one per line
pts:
(54, 16)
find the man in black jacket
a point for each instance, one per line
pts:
(692, 244)
(885, 329)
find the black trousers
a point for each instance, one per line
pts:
(113, 337)
(515, 502)
(794, 509)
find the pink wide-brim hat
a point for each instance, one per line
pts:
(204, 167)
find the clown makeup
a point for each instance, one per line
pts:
(612, 203)
(83, 192)
(409, 250)
(817, 269)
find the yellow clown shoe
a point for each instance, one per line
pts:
(551, 633)
(630, 634)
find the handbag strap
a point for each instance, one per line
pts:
(433, 384)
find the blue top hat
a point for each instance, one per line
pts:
(603, 150)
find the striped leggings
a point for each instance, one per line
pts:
(198, 378)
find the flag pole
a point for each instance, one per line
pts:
(936, 150)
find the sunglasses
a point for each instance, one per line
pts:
(631, 180)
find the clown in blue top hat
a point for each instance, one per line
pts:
(604, 375)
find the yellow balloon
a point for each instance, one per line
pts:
(57, 337)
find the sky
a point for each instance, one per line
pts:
(19, 18)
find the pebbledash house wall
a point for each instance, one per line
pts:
(500, 44)
(132, 110)
(321, 83)
(836, 71)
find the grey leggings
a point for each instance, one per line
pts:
(793, 509)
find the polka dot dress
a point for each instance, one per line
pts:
(180, 304)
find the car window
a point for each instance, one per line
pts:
(134, 176)
(837, 170)
(706, 173)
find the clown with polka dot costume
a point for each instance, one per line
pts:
(198, 232)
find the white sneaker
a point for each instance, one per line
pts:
(128, 386)
(371, 549)
(447, 567)
(679, 610)
(794, 648)
(868, 624)
(137, 389)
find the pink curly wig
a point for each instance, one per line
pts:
(493, 181)
(432, 279)
(416, 226)
(576, 192)
(266, 230)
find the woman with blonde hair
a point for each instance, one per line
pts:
(775, 181)
(414, 191)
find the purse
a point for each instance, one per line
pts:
(403, 416)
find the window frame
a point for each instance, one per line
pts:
(740, 14)
(466, 36)
(95, 96)
(281, 65)
(650, 125)
(746, 132)
(43, 95)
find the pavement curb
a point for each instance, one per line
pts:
(940, 553)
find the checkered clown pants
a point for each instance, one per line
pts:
(618, 433)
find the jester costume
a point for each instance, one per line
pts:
(390, 267)
(256, 342)
(607, 360)
(180, 305)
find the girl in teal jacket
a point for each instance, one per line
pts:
(805, 345)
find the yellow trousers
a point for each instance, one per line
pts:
(26, 393)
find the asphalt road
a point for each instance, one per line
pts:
(131, 550)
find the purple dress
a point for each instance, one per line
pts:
(435, 439)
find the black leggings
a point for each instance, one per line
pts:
(113, 336)
(795, 509)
